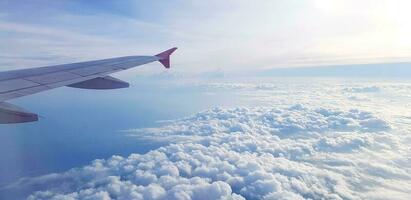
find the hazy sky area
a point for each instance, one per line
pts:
(233, 34)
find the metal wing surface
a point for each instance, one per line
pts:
(88, 75)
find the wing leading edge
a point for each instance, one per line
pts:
(86, 75)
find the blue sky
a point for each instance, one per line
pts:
(211, 34)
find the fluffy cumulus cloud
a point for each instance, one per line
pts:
(294, 152)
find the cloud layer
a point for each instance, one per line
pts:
(295, 152)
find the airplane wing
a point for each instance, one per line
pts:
(87, 75)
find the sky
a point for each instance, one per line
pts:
(211, 35)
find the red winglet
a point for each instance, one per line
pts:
(165, 57)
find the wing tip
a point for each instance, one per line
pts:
(165, 57)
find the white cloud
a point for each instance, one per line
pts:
(363, 89)
(326, 147)
(254, 153)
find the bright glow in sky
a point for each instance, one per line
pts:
(233, 34)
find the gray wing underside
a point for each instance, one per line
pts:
(18, 83)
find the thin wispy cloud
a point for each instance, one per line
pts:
(215, 34)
